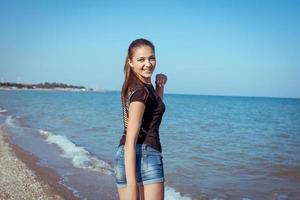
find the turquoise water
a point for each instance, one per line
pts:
(214, 147)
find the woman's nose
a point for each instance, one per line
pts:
(148, 63)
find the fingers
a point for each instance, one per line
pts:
(161, 79)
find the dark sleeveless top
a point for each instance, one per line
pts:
(154, 110)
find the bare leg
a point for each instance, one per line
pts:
(153, 191)
(122, 193)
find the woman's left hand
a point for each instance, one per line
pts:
(161, 80)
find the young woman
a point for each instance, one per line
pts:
(138, 161)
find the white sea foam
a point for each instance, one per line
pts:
(2, 110)
(171, 194)
(10, 121)
(217, 198)
(80, 157)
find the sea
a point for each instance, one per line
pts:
(213, 147)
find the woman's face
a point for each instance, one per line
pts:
(143, 62)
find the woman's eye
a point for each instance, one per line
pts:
(142, 60)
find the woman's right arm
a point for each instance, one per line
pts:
(136, 112)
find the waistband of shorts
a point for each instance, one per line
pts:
(141, 147)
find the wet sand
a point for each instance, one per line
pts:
(22, 178)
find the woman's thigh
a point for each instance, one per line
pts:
(122, 193)
(154, 191)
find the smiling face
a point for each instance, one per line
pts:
(143, 62)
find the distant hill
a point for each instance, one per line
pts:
(46, 85)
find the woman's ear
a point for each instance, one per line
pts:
(130, 63)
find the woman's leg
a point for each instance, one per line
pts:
(122, 193)
(153, 191)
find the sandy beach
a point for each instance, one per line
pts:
(22, 178)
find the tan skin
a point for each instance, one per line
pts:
(143, 63)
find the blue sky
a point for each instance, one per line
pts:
(240, 48)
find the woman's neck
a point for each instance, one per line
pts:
(143, 80)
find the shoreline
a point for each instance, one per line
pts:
(22, 177)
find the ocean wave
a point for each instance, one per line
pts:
(81, 158)
(10, 121)
(171, 194)
(2, 110)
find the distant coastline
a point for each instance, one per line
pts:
(46, 87)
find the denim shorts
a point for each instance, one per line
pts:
(149, 166)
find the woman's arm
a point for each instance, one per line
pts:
(136, 112)
(160, 91)
(160, 81)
